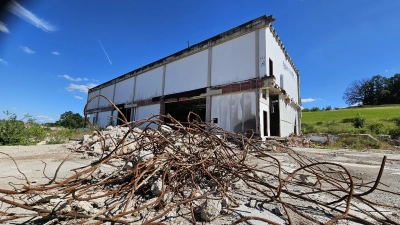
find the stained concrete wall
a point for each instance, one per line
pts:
(235, 112)
(149, 84)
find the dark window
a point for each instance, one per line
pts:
(271, 67)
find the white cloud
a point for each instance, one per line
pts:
(15, 8)
(43, 117)
(386, 71)
(80, 88)
(3, 28)
(2, 61)
(70, 78)
(55, 53)
(85, 79)
(305, 100)
(78, 97)
(27, 50)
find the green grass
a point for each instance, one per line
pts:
(379, 120)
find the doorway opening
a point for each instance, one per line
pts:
(126, 112)
(180, 110)
(265, 118)
(274, 117)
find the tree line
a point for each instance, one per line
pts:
(377, 90)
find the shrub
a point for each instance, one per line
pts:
(305, 110)
(328, 107)
(314, 109)
(359, 121)
(319, 123)
(14, 132)
(377, 128)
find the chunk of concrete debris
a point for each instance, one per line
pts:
(144, 155)
(156, 187)
(166, 130)
(211, 209)
(97, 149)
(238, 185)
(253, 203)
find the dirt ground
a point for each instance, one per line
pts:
(28, 160)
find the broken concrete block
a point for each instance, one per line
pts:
(211, 209)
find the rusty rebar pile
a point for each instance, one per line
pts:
(164, 167)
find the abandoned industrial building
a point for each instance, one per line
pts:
(242, 79)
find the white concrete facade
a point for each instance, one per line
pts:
(245, 77)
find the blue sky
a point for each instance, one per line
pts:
(51, 51)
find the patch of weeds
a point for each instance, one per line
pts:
(360, 143)
(319, 123)
(348, 120)
(55, 142)
(308, 128)
(377, 128)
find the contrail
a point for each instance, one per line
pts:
(105, 52)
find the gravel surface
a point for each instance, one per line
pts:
(361, 164)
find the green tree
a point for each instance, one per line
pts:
(375, 91)
(71, 120)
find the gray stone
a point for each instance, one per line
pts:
(211, 209)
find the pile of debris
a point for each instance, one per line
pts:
(179, 173)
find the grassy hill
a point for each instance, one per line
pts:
(378, 120)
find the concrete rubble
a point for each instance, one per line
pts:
(185, 174)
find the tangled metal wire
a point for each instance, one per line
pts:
(186, 160)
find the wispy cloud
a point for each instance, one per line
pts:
(3, 28)
(85, 79)
(105, 52)
(80, 88)
(15, 8)
(78, 97)
(27, 50)
(305, 100)
(70, 78)
(55, 53)
(386, 71)
(2, 61)
(44, 117)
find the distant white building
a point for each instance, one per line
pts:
(240, 79)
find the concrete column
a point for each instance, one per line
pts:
(257, 65)
(208, 98)
(162, 104)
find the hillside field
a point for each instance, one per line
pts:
(378, 120)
